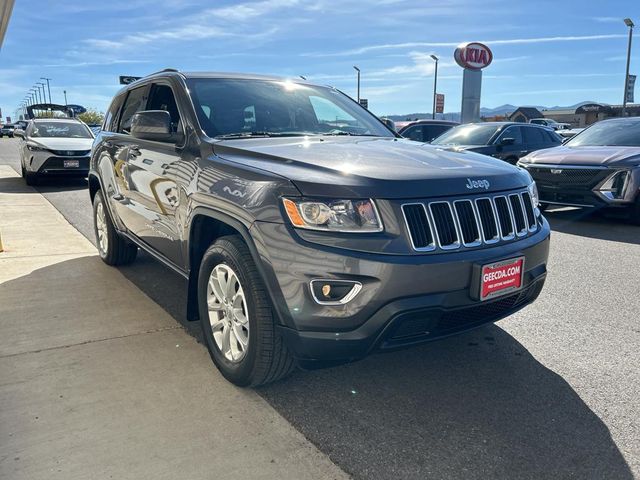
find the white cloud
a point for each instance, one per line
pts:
(511, 41)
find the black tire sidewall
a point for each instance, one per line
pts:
(240, 373)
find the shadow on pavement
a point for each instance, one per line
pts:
(597, 225)
(45, 184)
(474, 406)
(55, 184)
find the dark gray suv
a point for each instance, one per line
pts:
(309, 232)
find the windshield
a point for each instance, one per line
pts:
(475, 134)
(59, 129)
(245, 108)
(616, 133)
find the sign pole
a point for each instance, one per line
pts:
(630, 24)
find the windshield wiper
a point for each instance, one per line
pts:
(351, 134)
(261, 134)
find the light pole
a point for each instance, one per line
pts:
(628, 23)
(48, 86)
(65, 97)
(44, 93)
(358, 70)
(435, 85)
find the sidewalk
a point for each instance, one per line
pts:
(97, 381)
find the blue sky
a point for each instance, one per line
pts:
(545, 52)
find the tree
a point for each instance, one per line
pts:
(92, 116)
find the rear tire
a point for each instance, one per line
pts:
(112, 247)
(246, 348)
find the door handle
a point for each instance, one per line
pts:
(118, 197)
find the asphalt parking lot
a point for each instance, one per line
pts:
(551, 392)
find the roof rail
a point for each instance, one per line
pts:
(163, 71)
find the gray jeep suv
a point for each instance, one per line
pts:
(309, 232)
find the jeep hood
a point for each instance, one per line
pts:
(587, 155)
(376, 167)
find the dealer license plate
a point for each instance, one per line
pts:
(71, 163)
(501, 278)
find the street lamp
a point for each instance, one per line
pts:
(358, 70)
(48, 86)
(44, 93)
(629, 23)
(65, 97)
(435, 85)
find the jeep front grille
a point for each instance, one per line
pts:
(466, 223)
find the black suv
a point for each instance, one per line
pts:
(309, 232)
(507, 141)
(426, 130)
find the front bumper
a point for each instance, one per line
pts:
(405, 299)
(50, 164)
(579, 186)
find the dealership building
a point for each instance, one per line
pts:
(582, 116)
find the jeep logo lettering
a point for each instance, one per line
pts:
(472, 184)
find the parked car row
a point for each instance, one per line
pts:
(7, 130)
(596, 167)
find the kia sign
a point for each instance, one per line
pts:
(474, 56)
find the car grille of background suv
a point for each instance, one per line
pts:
(467, 223)
(568, 176)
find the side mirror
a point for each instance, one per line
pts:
(152, 125)
(507, 141)
(18, 132)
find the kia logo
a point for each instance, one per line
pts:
(474, 56)
(556, 170)
(473, 184)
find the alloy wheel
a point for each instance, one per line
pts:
(228, 314)
(101, 228)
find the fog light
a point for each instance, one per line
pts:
(334, 292)
(614, 186)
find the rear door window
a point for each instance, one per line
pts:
(429, 132)
(136, 101)
(413, 133)
(533, 135)
(511, 132)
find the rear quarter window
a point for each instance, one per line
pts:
(110, 123)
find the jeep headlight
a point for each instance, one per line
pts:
(356, 216)
(533, 192)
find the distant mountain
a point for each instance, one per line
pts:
(505, 109)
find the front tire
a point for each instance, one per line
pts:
(112, 247)
(30, 178)
(237, 317)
